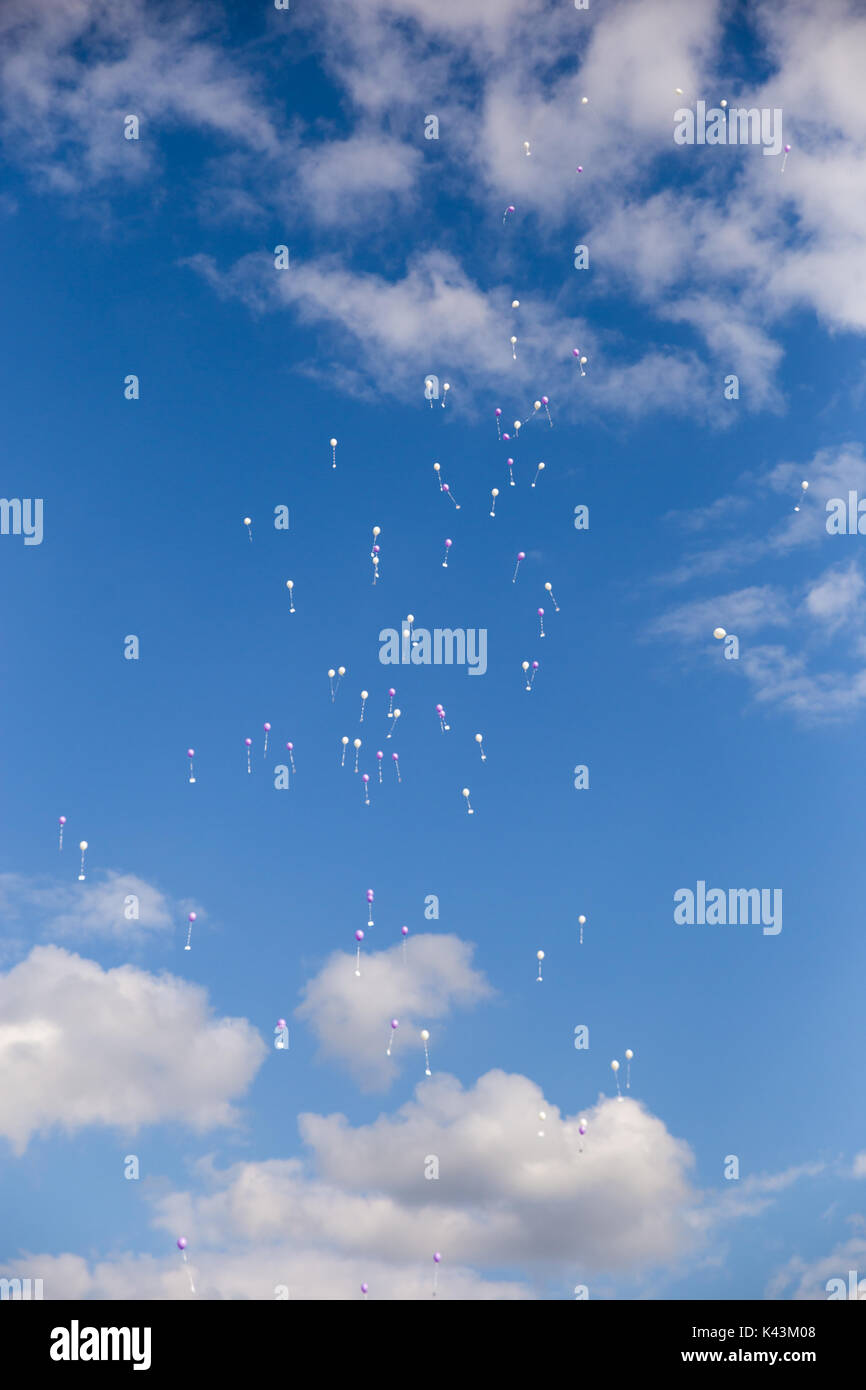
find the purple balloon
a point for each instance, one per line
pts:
(544, 400)
(380, 756)
(497, 411)
(248, 742)
(521, 554)
(395, 1023)
(364, 1288)
(404, 931)
(190, 752)
(359, 935)
(396, 757)
(192, 917)
(181, 1244)
(369, 895)
(267, 728)
(535, 665)
(61, 820)
(281, 1023)
(365, 777)
(392, 693)
(437, 1257)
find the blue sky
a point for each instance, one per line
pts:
(156, 257)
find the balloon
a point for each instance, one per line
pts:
(541, 621)
(182, 1243)
(395, 1024)
(521, 555)
(191, 918)
(479, 740)
(494, 494)
(549, 587)
(61, 821)
(83, 847)
(465, 793)
(357, 747)
(448, 545)
(359, 937)
(333, 444)
(248, 522)
(719, 633)
(425, 1038)
(539, 956)
(539, 469)
(446, 489)
(509, 464)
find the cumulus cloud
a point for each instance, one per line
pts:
(350, 1015)
(282, 1269)
(120, 1047)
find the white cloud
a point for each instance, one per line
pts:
(83, 1046)
(801, 1279)
(307, 1273)
(834, 598)
(743, 611)
(95, 908)
(351, 1015)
